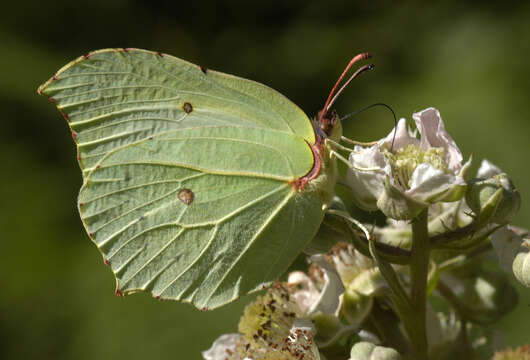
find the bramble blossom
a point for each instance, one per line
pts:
(401, 174)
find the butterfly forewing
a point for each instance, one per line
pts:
(115, 97)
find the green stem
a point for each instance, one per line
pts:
(419, 269)
(389, 253)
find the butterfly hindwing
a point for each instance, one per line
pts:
(230, 236)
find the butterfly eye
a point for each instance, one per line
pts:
(327, 121)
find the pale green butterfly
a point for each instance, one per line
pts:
(197, 185)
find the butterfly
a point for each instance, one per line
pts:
(198, 186)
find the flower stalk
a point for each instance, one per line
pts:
(419, 269)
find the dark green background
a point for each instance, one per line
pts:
(471, 61)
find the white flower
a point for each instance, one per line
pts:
(309, 297)
(403, 177)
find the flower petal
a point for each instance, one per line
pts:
(487, 170)
(308, 294)
(429, 183)
(507, 243)
(401, 137)
(221, 347)
(367, 185)
(329, 299)
(433, 134)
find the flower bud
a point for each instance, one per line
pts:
(494, 199)
(368, 351)
(521, 264)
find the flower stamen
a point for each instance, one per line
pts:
(405, 160)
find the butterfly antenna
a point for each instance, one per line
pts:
(331, 96)
(371, 106)
(355, 74)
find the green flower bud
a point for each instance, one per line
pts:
(492, 196)
(493, 199)
(369, 351)
(521, 264)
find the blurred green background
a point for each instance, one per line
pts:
(471, 61)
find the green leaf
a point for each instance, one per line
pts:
(188, 174)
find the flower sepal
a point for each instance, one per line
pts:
(356, 306)
(397, 205)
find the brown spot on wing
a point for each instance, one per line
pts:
(187, 107)
(186, 196)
